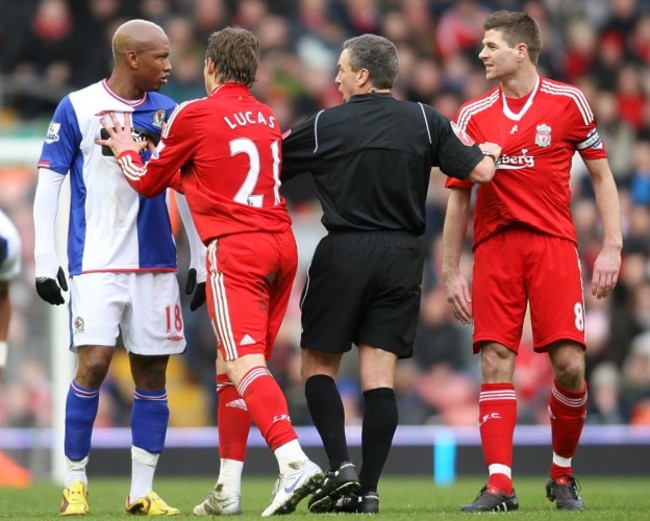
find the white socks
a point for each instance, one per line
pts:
(76, 472)
(230, 473)
(143, 466)
(288, 453)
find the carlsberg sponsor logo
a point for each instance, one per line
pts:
(519, 161)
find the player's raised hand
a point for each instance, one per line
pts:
(120, 138)
(197, 288)
(49, 290)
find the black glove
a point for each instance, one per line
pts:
(49, 290)
(199, 295)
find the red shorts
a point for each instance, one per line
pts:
(518, 267)
(250, 276)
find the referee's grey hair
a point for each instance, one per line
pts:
(376, 54)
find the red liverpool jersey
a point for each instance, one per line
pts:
(228, 147)
(539, 137)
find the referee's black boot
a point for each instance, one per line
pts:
(340, 482)
(356, 503)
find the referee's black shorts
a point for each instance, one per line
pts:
(363, 288)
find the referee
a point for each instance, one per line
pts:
(371, 159)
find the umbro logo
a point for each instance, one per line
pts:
(247, 340)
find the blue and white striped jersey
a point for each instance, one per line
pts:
(111, 227)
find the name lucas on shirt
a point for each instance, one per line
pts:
(241, 119)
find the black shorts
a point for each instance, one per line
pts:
(363, 288)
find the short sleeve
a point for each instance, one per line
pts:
(62, 140)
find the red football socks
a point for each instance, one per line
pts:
(233, 421)
(568, 411)
(267, 407)
(497, 420)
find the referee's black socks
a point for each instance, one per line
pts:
(379, 425)
(326, 409)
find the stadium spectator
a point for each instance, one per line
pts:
(637, 238)
(640, 39)
(525, 250)
(438, 341)
(411, 407)
(630, 96)
(605, 395)
(450, 394)
(206, 15)
(636, 379)
(622, 17)
(627, 318)
(370, 160)
(459, 28)
(186, 83)
(240, 216)
(122, 262)
(96, 22)
(45, 54)
(640, 180)
(581, 46)
(617, 133)
(609, 58)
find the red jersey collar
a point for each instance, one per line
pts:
(229, 88)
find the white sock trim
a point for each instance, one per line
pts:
(145, 457)
(76, 471)
(560, 461)
(497, 468)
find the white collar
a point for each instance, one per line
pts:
(517, 117)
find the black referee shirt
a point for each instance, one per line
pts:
(371, 159)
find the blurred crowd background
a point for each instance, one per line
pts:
(50, 47)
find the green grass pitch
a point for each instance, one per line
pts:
(401, 498)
